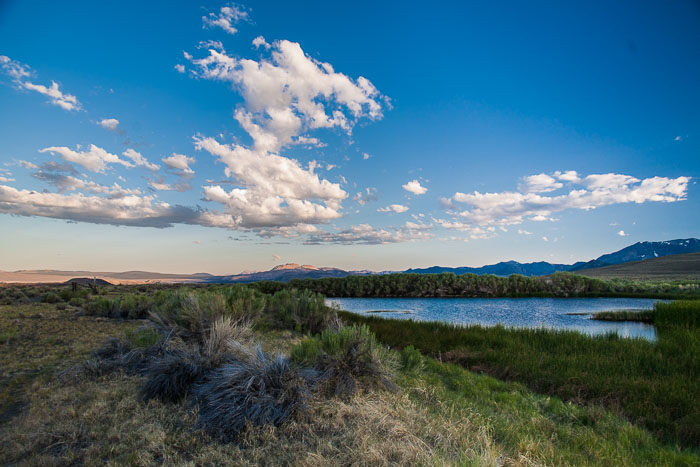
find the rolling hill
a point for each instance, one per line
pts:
(671, 267)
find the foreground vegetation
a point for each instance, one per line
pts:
(682, 313)
(296, 386)
(654, 384)
(560, 284)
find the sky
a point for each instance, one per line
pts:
(221, 137)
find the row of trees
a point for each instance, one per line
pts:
(561, 284)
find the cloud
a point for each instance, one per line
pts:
(160, 185)
(28, 165)
(20, 74)
(308, 142)
(678, 138)
(227, 17)
(65, 101)
(261, 42)
(366, 196)
(545, 239)
(414, 187)
(271, 175)
(397, 208)
(210, 44)
(180, 162)
(475, 232)
(567, 176)
(14, 69)
(365, 156)
(139, 160)
(276, 258)
(369, 235)
(287, 94)
(179, 68)
(598, 190)
(540, 183)
(6, 179)
(524, 232)
(95, 159)
(130, 209)
(622, 233)
(110, 124)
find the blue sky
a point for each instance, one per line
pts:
(221, 137)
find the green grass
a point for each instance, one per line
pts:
(683, 313)
(653, 384)
(680, 313)
(642, 316)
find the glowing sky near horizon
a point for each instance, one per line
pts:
(221, 137)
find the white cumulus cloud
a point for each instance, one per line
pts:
(95, 159)
(21, 73)
(110, 124)
(540, 183)
(226, 18)
(139, 160)
(397, 208)
(414, 187)
(595, 191)
(180, 162)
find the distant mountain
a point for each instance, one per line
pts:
(637, 252)
(283, 273)
(644, 250)
(506, 268)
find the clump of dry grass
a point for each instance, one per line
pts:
(116, 355)
(259, 391)
(170, 376)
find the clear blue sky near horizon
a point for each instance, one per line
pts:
(220, 137)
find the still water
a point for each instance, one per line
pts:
(515, 312)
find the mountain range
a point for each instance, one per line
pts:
(638, 252)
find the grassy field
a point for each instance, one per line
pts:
(653, 384)
(438, 414)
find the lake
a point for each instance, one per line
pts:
(515, 312)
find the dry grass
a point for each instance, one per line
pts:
(104, 422)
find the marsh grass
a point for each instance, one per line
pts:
(682, 313)
(653, 384)
(642, 316)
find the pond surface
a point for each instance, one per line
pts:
(553, 313)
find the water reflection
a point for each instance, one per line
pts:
(555, 313)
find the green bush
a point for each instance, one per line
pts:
(303, 311)
(346, 357)
(50, 297)
(68, 294)
(101, 306)
(411, 359)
